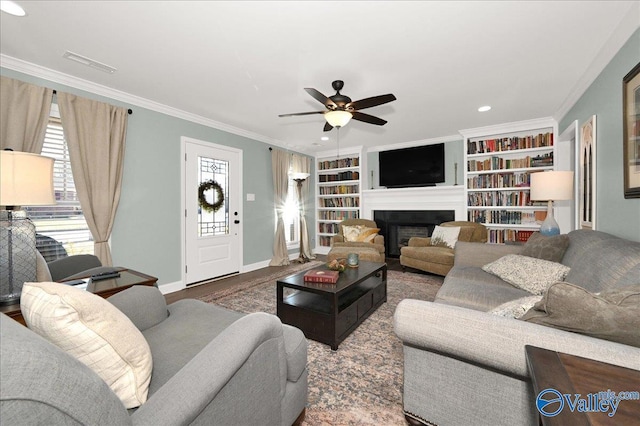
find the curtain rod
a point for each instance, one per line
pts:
(130, 111)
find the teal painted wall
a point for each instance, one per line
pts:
(146, 233)
(614, 214)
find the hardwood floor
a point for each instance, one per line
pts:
(224, 283)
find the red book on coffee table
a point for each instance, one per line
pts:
(321, 276)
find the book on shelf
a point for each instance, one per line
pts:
(321, 276)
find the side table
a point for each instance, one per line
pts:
(555, 374)
(103, 288)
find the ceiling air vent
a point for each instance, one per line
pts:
(88, 62)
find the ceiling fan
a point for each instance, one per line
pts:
(341, 109)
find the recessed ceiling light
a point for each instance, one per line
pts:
(484, 108)
(12, 8)
(324, 138)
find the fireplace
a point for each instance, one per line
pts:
(398, 226)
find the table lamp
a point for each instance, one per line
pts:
(551, 186)
(300, 177)
(25, 180)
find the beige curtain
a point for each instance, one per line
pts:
(24, 114)
(301, 164)
(96, 134)
(280, 170)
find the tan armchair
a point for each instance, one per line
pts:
(339, 240)
(420, 254)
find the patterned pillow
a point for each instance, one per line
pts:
(527, 273)
(516, 308)
(359, 233)
(95, 332)
(548, 248)
(445, 236)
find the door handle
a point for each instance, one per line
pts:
(236, 221)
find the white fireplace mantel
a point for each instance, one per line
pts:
(423, 198)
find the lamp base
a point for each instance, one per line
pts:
(17, 254)
(550, 227)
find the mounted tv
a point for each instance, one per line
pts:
(415, 166)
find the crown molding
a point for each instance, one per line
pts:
(34, 70)
(629, 24)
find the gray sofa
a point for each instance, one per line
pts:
(463, 365)
(210, 366)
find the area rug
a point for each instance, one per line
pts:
(361, 382)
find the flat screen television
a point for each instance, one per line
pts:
(415, 166)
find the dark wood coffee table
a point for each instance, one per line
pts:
(103, 288)
(328, 313)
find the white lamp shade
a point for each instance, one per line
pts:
(337, 118)
(25, 179)
(299, 175)
(552, 185)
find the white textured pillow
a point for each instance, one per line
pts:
(445, 236)
(527, 273)
(95, 332)
(516, 308)
(351, 232)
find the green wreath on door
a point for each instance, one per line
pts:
(202, 199)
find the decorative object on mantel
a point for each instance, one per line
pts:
(341, 109)
(551, 186)
(26, 180)
(631, 132)
(202, 197)
(299, 178)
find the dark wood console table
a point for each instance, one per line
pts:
(103, 288)
(328, 313)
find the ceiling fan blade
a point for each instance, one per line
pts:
(360, 116)
(327, 127)
(321, 98)
(371, 102)
(301, 113)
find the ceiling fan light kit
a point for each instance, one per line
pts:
(340, 108)
(337, 118)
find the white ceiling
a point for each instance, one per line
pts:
(242, 63)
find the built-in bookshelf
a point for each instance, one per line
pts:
(339, 186)
(499, 162)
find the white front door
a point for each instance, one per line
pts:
(212, 203)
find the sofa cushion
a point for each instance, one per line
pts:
(612, 315)
(443, 255)
(40, 384)
(445, 236)
(95, 332)
(516, 308)
(528, 273)
(548, 248)
(473, 288)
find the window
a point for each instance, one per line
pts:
(61, 229)
(291, 215)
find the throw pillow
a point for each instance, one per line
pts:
(367, 234)
(612, 315)
(445, 236)
(95, 332)
(527, 273)
(516, 308)
(351, 232)
(548, 248)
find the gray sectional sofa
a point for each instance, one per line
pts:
(210, 366)
(463, 365)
